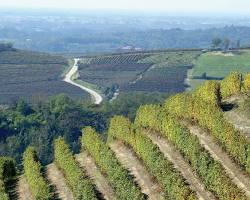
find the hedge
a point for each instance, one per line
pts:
(33, 172)
(119, 178)
(172, 182)
(7, 172)
(210, 172)
(79, 183)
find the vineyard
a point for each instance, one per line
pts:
(148, 72)
(32, 75)
(184, 149)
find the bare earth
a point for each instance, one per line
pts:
(172, 154)
(93, 172)
(56, 178)
(240, 122)
(129, 160)
(23, 189)
(238, 176)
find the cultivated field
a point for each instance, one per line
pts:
(31, 75)
(148, 72)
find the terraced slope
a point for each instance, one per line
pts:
(129, 160)
(239, 177)
(180, 164)
(56, 178)
(93, 172)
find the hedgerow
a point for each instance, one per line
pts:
(33, 172)
(231, 85)
(81, 186)
(119, 178)
(173, 184)
(210, 172)
(7, 171)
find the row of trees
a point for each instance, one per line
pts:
(210, 172)
(7, 172)
(225, 44)
(174, 185)
(119, 178)
(33, 172)
(79, 183)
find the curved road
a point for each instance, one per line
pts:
(97, 97)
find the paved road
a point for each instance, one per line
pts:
(97, 97)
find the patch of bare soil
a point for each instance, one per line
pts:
(239, 121)
(93, 172)
(238, 176)
(173, 155)
(23, 189)
(130, 161)
(56, 178)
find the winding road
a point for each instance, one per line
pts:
(68, 78)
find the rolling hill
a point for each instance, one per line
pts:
(185, 148)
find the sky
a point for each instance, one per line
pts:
(225, 6)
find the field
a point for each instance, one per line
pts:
(31, 75)
(170, 151)
(147, 72)
(219, 65)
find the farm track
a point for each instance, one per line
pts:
(93, 172)
(23, 189)
(97, 97)
(238, 176)
(129, 160)
(56, 178)
(172, 154)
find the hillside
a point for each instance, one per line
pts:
(185, 148)
(162, 71)
(32, 76)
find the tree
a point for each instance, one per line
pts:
(216, 42)
(238, 44)
(226, 44)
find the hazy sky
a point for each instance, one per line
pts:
(237, 6)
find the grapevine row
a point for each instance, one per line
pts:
(7, 171)
(33, 172)
(105, 159)
(203, 107)
(173, 184)
(80, 185)
(210, 172)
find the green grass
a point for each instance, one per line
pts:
(220, 65)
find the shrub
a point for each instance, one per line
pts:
(33, 172)
(231, 85)
(81, 186)
(119, 178)
(246, 83)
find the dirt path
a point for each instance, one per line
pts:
(239, 177)
(180, 164)
(133, 164)
(93, 172)
(240, 122)
(56, 178)
(23, 189)
(97, 97)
